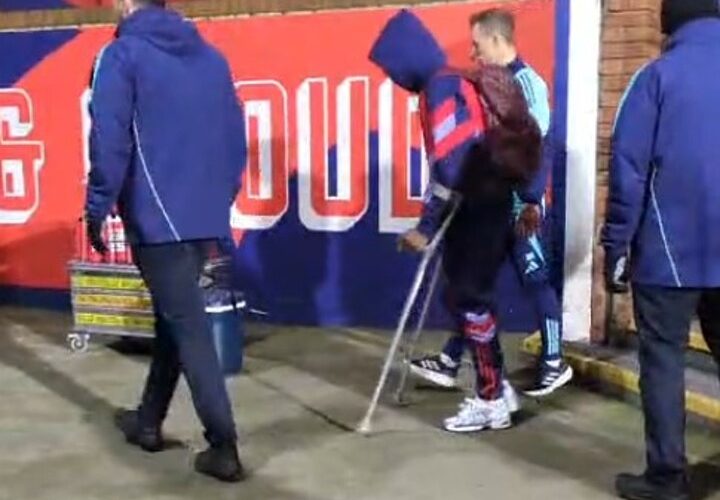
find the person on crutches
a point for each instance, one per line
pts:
(465, 138)
(493, 41)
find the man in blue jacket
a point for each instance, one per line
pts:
(493, 35)
(661, 229)
(167, 146)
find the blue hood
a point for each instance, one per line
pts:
(702, 31)
(164, 28)
(407, 52)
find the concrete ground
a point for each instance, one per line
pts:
(303, 393)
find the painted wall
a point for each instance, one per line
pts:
(318, 234)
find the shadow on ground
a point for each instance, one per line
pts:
(98, 412)
(555, 443)
(575, 435)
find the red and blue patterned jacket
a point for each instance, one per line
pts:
(451, 113)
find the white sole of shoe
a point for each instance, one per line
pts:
(434, 377)
(494, 426)
(512, 403)
(562, 380)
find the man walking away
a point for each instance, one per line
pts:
(168, 147)
(661, 229)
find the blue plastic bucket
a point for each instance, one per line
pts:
(226, 319)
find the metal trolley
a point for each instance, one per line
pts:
(108, 295)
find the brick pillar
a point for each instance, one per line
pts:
(630, 37)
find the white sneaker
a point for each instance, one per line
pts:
(512, 401)
(477, 414)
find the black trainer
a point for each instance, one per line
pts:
(221, 462)
(148, 438)
(438, 369)
(640, 487)
(550, 379)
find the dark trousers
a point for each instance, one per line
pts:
(183, 342)
(529, 260)
(475, 247)
(663, 317)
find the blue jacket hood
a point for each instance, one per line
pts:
(164, 28)
(699, 32)
(407, 52)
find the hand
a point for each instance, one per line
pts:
(616, 274)
(413, 241)
(529, 221)
(94, 231)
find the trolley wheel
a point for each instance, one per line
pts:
(78, 342)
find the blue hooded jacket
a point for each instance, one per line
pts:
(664, 203)
(452, 119)
(167, 143)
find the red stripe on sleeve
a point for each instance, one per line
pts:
(444, 111)
(464, 132)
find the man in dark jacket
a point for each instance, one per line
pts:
(168, 147)
(661, 229)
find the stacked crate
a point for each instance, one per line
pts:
(108, 295)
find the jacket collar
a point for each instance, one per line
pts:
(699, 32)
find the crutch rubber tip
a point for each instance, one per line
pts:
(364, 428)
(401, 400)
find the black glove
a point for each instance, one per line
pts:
(94, 231)
(616, 273)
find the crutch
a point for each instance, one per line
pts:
(365, 426)
(410, 349)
